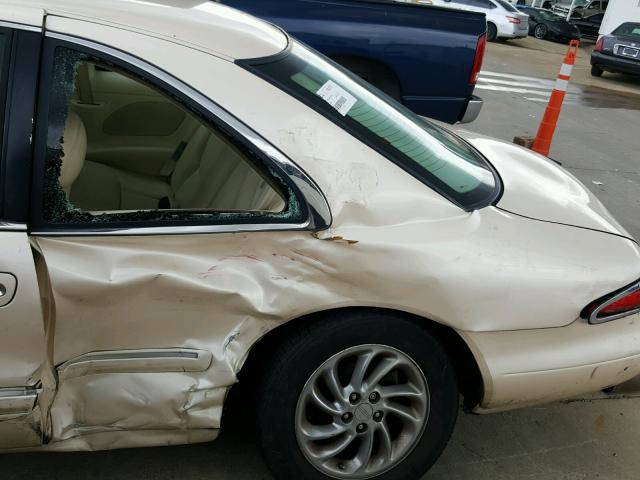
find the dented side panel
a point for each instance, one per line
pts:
(221, 293)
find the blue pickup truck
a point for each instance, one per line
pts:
(427, 57)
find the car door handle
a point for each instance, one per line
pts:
(8, 286)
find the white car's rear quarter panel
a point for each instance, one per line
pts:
(526, 367)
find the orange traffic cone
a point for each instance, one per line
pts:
(542, 143)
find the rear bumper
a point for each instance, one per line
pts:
(514, 35)
(615, 64)
(528, 367)
(473, 108)
(513, 30)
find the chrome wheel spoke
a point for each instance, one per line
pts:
(323, 432)
(360, 369)
(404, 390)
(333, 382)
(329, 451)
(322, 403)
(403, 413)
(385, 367)
(363, 457)
(385, 448)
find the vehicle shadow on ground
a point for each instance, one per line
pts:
(233, 456)
(581, 440)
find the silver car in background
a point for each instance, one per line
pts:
(581, 8)
(504, 21)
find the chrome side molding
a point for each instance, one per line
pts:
(15, 402)
(136, 361)
(12, 227)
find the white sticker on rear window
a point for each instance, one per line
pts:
(337, 97)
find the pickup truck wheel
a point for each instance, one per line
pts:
(596, 71)
(541, 31)
(358, 396)
(492, 32)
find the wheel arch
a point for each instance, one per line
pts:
(466, 366)
(494, 25)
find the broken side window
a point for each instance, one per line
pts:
(120, 150)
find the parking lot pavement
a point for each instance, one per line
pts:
(541, 58)
(589, 438)
(580, 440)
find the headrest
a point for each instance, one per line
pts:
(75, 149)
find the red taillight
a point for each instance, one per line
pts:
(614, 306)
(477, 62)
(599, 45)
(514, 20)
(625, 304)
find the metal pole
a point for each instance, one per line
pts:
(573, 4)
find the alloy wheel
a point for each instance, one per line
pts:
(362, 412)
(540, 31)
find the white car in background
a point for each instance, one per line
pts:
(200, 200)
(504, 21)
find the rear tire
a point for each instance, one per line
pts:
(596, 71)
(371, 429)
(540, 32)
(492, 32)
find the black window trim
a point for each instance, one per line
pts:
(18, 111)
(314, 208)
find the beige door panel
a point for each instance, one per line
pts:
(22, 345)
(22, 341)
(8, 285)
(129, 125)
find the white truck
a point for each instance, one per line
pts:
(618, 12)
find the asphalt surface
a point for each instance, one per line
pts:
(590, 438)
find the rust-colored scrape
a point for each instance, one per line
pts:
(336, 238)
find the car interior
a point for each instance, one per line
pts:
(128, 147)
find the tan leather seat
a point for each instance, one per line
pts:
(209, 175)
(212, 175)
(75, 151)
(103, 188)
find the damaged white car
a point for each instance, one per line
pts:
(189, 197)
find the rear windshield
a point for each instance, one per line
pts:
(507, 6)
(628, 30)
(433, 155)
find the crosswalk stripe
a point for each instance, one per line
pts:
(533, 89)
